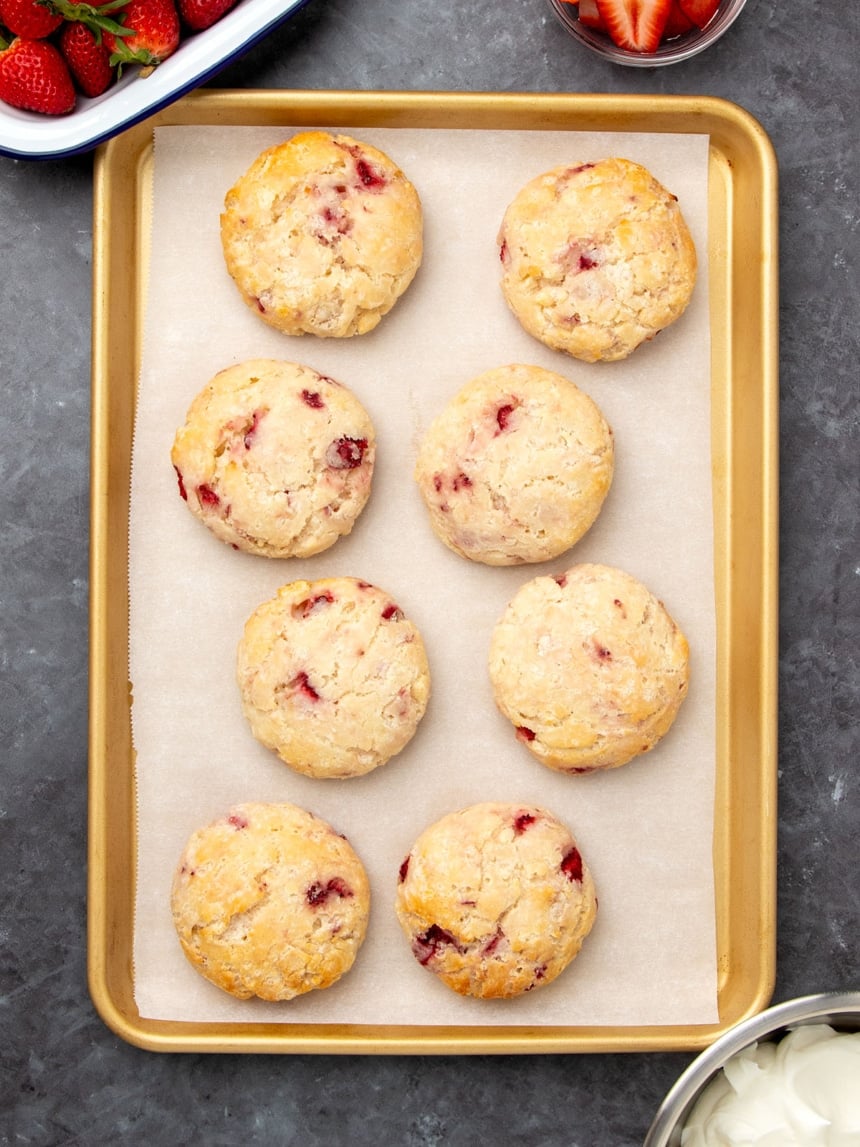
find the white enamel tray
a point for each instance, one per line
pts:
(27, 135)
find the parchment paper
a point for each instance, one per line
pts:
(646, 828)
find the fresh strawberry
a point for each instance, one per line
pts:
(88, 58)
(29, 19)
(34, 76)
(154, 35)
(635, 24)
(699, 11)
(200, 14)
(589, 15)
(678, 24)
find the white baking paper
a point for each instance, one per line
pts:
(646, 828)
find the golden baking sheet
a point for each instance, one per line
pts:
(742, 221)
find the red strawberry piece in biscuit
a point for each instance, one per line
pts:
(346, 453)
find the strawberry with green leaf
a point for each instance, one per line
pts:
(34, 76)
(154, 33)
(88, 58)
(101, 16)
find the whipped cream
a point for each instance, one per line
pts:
(802, 1091)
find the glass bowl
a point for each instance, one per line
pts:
(841, 1010)
(672, 52)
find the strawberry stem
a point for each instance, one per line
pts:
(122, 55)
(96, 19)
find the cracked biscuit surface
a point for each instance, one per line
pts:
(333, 676)
(496, 899)
(270, 901)
(275, 459)
(596, 258)
(322, 235)
(516, 467)
(589, 667)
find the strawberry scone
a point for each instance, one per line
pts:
(275, 459)
(496, 899)
(596, 258)
(589, 668)
(333, 676)
(516, 467)
(270, 901)
(322, 235)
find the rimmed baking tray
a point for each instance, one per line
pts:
(744, 430)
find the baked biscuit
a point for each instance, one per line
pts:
(516, 467)
(275, 458)
(589, 668)
(333, 677)
(322, 235)
(270, 901)
(596, 258)
(496, 899)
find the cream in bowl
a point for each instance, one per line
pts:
(801, 1089)
(785, 1078)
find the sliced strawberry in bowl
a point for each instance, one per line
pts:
(700, 12)
(647, 33)
(678, 23)
(589, 15)
(635, 24)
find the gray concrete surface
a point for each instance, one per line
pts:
(66, 1079)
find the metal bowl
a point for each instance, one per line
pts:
(672, 52)
(839, 1009)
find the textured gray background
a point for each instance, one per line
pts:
(65, 1078)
